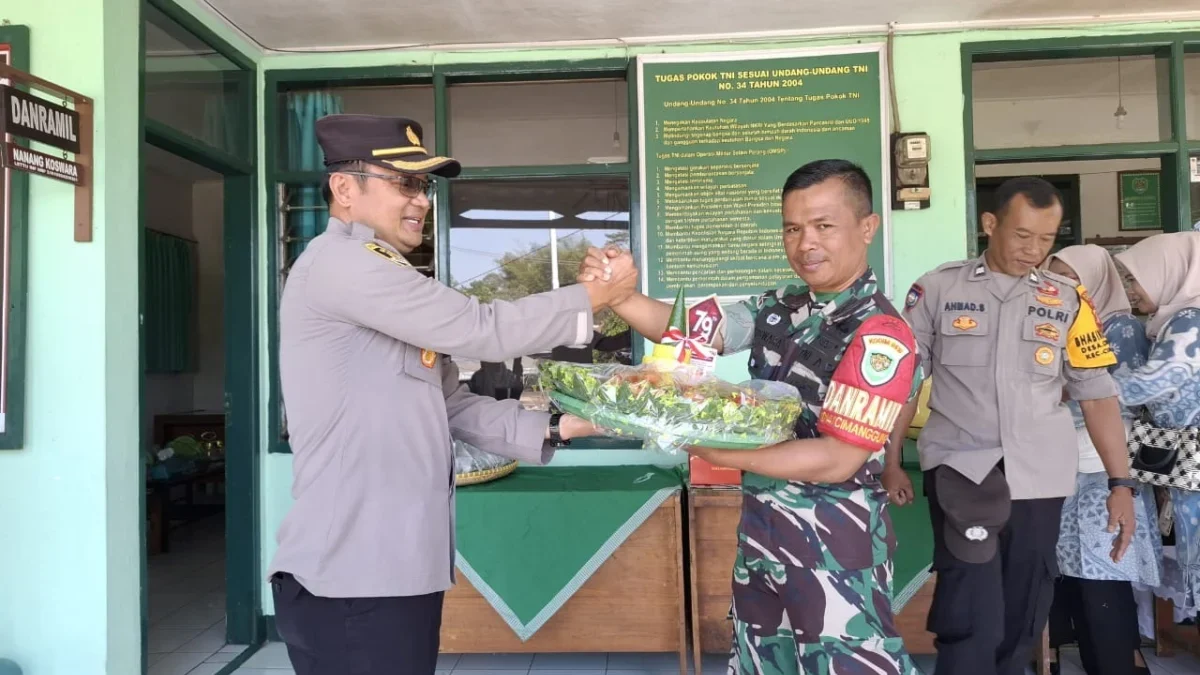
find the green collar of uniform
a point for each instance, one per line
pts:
(863, 286)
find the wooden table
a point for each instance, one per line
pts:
(162, 510)
(713, 515)
(633, 603)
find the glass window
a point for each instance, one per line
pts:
(193, 89)
(539, 123)
(1089, 101)
(300, 109)
(1191, 76)
(511, 238)
(1099, 196)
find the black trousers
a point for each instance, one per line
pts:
(357, 636)
(987, 616)
(1101, 616)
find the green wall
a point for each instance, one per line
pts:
(70, 573)
(69, 577)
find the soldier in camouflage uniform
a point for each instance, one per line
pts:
(813, 575)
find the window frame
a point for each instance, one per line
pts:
(242, 79)
(1173, 153)
(442, 77)
(16, 39)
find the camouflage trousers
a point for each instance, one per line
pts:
(792, 620)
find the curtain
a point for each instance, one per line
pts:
(308, 213)
(170, 299)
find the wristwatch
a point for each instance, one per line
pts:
(556, 439)
(1124, 482)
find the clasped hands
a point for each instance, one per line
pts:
(609, 275)
(613, 275)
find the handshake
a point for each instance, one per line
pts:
(609, 275)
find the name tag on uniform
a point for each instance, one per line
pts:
(428, 358)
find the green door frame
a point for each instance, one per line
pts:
(242, 399)
(1173, 153)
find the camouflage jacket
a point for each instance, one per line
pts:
(799, 340)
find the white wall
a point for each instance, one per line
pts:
(208, 220)
(168, 210)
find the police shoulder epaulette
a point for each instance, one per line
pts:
(953, 265)
(386, 254)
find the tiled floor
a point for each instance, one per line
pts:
(186, 633)
(272, 660)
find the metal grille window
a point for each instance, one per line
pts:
(303, 215)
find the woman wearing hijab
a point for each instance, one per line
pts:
(1094, 601)
(1165, 280)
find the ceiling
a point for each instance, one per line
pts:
(335, 24)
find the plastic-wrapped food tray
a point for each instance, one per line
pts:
(672, 409)
(473, 466)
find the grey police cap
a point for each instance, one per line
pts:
(974, 513)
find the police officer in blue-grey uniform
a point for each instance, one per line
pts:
(1005, 341)
(373, 401)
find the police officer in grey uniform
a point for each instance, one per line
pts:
(373, 400)
(999, 450)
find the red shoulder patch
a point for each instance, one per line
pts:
(871, 384)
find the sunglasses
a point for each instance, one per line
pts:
(409, 186)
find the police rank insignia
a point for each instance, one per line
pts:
(428, 358)
(965, 323)
(881, 358)
(386, 254)
(914, 296)
(1048, 331)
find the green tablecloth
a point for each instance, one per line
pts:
(527, 542)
